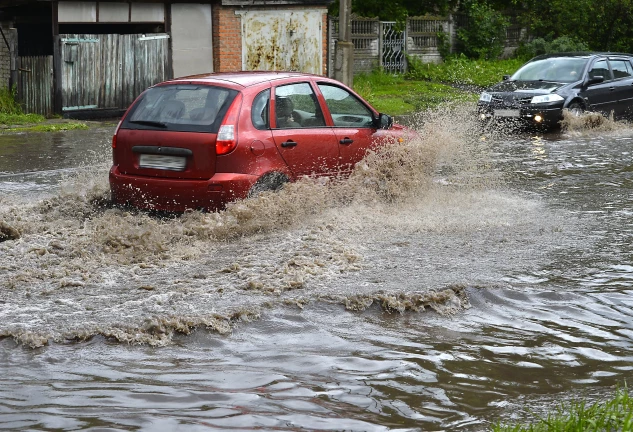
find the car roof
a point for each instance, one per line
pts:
(243, 79)
(580, 54)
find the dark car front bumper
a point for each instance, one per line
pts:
(533, 115)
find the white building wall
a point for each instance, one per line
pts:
(192, 41)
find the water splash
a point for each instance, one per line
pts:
(83, 268)
(590, 122)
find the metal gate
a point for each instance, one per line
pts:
(393, 45)
(109, 70)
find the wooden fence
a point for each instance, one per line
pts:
(109, 70)
(106, 71)
(35, 84)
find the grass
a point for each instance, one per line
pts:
(20, 119)
(12, 119)
(614, 414)
(397, 95)
(49, 127)
(463, 71)
(428, 85)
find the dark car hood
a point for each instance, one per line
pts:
(539, 87)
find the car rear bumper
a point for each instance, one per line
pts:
(176, 195)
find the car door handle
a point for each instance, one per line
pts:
(289, 143)
(611, 88)
(346, 141)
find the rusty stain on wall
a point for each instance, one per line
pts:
(287, 40)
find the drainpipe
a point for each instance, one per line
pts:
(344, 48)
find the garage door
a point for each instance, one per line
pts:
(282, 40)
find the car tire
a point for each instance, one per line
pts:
(268, 182)
(576, 108)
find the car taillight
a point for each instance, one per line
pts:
(114, 141)
(227, 134)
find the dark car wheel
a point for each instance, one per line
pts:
(576, 108)
(268, 182)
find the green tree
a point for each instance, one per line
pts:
(484, 35)
(604, 26)
(397, 10)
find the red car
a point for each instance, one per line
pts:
(202, 141)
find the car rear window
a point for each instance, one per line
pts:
(187, 107)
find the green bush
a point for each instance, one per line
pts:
(485, 35)
(444, 44)
(8, 104)
(540, 46)
(11, 111)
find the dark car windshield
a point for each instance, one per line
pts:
(196, 108)
(555, 69)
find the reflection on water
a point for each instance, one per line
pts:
(514, 251)
(34, 163)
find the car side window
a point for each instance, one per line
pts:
(296, 106)
(259, 111)
(345, 108)
(620, 69)
(600, 68)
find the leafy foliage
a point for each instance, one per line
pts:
(396, 10)
(19, 118)
(543, 46)
(444, 45)
(484, 35)
(8, 104)
(606, 25)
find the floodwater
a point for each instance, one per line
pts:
(455, 281)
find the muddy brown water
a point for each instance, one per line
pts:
(458, 280)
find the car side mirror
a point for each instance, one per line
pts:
(595, 80)
(383, 121)
(506, 77)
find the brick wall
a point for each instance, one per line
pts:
(227, 37)
(5, 57)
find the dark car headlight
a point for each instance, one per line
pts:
(546, 99)
(485, 97)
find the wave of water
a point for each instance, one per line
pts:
(518, 248)
(82, 269)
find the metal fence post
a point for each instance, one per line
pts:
(381, 46)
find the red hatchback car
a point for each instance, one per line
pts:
(202, 141)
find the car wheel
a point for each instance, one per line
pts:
(576, 108)
(268, 182)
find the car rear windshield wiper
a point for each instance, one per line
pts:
(149, 123)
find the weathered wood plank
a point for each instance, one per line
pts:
(35, 84)
(109, 71)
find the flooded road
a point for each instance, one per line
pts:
(453, 282)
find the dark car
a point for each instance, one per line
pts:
(541, 89)
(200, 142)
